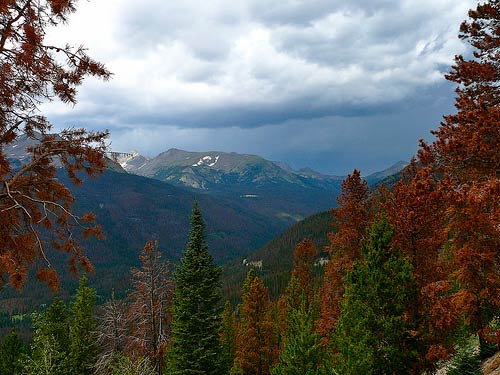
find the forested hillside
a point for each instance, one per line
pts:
(274, 259)
(133, 210)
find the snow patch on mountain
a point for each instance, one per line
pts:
(207, 160)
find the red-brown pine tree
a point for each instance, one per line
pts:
(255, 339)
(300, 289)
(303, 261)
(31, 197)
(351, 218)
(415, 208)
(466, 152)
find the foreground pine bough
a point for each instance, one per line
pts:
(35, 209)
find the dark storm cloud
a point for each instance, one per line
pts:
(257, 62)
(197, 71)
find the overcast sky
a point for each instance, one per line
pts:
(330, 84)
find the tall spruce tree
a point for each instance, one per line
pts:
(372, 334)
(196, 309)
(83, 347)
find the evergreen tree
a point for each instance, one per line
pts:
(11, 352)
(300, 290)
(64, 341)
(196, 313)
(466, 361)
(303, 352)
(83, 347)
(372, 334)
(227, 338)
(54, 322)
(50, 345)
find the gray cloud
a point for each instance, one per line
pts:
(191, 71)
(331, 144)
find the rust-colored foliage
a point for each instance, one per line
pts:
(300, 288)
(351, 218)
(415, 208)
(255, 339)
(31, 197)
(466, 152)
(303, 261)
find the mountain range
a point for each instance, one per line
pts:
(222, 171)
(246, 201)
(270, 188)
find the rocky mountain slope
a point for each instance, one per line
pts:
(216, 170)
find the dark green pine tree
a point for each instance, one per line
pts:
(12, 351)
(83, 347)
(372, 334)
(227, 337)
(303, 352)
(196, 309)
